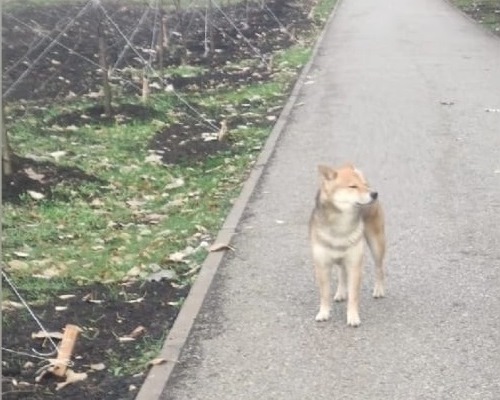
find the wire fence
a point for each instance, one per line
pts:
(53, 47)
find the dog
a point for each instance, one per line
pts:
(346, 210)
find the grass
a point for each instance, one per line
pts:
(92, 233)
(74, 234)
(486, 12)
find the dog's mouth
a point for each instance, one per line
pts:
(365, 204)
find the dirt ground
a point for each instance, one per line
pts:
(105, 314)
(57, 74)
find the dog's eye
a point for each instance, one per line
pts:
(353, 186)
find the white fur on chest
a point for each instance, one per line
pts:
(336, 240)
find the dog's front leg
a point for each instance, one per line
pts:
(341, 293)
(375, 237)
(354, 268)
(323, 275)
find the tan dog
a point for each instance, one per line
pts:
(346, 210)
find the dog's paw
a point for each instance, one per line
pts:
(378, 291)
(323, 315)
(353, 319)
(340, 296)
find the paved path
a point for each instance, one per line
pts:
(374, 97)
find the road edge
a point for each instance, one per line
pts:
(158, 375)
(471, 19)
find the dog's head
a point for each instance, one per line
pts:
(345, 187)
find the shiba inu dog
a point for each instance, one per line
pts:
(346, 210)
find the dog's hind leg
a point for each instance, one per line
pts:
(323, 273)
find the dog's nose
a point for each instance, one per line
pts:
(374, 195)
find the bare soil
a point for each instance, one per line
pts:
(105, 314)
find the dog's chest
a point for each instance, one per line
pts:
(337, 239)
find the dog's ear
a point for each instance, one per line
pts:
(327, 172)
(349, 166)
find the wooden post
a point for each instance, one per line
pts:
(104, 65)
(6, 150)
(65, 350)
(210, 23)
(145, 86)
(161, 42)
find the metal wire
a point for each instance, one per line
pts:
(35, 318)
(45, 51)
(255, 49)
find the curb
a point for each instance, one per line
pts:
(158, 375)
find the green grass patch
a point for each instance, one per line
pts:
(486, 12)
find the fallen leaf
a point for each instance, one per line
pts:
(134, 271)
(35, 195)
(209, 136)
(89, 299)
(21, 254)
(139, 300)
(97, 367)
(11, 305)
(48, 273)
(166, 274)
(46, 335)
(71, 377)
(18, 265)
(153, 159)
(137, 332)
(34, 175)
(157, 361)
(154, 218)
(134, 203)
(177, 183)
(177, 257)
(125, 339)
(57, 154)
(220, 247)
(96, 203)
(66, 296)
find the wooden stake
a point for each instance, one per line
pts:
(66, 349)
(145, 86)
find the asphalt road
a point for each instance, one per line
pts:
(402, 89)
